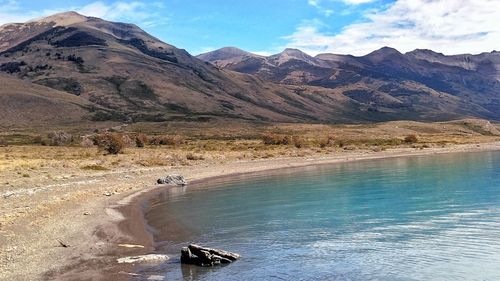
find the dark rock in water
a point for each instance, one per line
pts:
(202, 256)
(173, 180)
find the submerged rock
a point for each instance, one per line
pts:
(173, 180)
(143, 258)
(202, 256)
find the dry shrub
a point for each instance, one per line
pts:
(327, 141)
(166, 140)
(192, 156)
(276, 139)
(411, 138)
(298, 141)
(128, 141)
(59, 138)
(140, 140)
(341, 143)
(86, 142)
(349, 147)
(37, 139)
(110, 142)
(3, 142)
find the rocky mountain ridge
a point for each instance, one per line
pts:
(118, 72)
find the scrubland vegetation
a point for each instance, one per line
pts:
(182, 144)
(59, 168)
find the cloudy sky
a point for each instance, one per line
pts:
(314, 26)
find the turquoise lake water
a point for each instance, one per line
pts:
(414, 218)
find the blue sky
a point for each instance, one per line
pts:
(314, 26)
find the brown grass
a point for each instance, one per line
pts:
(213, 145)
(3, 142)
(166, 140)
(94, 168)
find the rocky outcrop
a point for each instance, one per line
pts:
(173, 180)
(202, 256)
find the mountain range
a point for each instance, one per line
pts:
(68, 69)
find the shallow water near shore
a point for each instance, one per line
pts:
(411, 218)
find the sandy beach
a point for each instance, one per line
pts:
(74, 227)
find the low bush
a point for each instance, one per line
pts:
(166, 140)
(276, 139)
(191, 156)
(327, 141)
(86, 142)
(298, 141)
(59, 138)
(141, 140)
(3, 142)
(341, 143)
(128, 141)
(37, 139)
(411, 138)
(112, 143)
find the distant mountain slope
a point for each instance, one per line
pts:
(26, 104)
(419, 83)
(485, 63)
(227, 55)
(135, 76)
(118, 72)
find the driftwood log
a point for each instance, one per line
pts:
(151, 258)
(203, 256)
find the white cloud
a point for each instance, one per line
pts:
(314, 3)
(322, 10)
(137, 12)
(356, 2)
(324, 7)
(9, 12)
(132, 11)
(317, 3)
(448, 26)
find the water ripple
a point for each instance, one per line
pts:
(422, 218)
